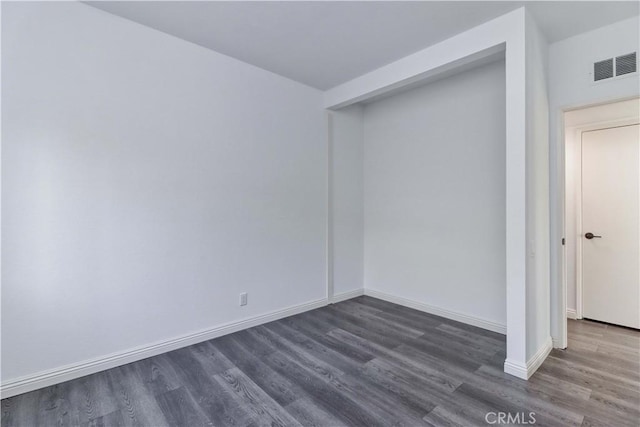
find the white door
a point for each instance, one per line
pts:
(611, 225)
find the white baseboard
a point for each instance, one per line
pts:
(516, 369)
(448, 314)
(77, 370)
(572, 314)
(347, 295)
(534, 363)
(557, 343)
(525, 371)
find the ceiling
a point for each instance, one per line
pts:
(326, 43)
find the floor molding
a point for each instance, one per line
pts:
(77, 370)
(516, 369)
(448, 314)
(525, 371)
(557, 343)
(347, 295)
(572, 314)
(534, 363)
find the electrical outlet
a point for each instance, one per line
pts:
(243, 298)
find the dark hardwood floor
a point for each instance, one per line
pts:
(361, 362)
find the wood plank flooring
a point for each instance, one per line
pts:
(363, 362)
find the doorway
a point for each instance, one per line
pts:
(610, 256)
(602, 217)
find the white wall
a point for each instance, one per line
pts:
(570, 65)
(537, 128)
(146, 182)
(435, 194)
(347, 199)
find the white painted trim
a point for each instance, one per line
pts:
(536, 361)
(572, 314)
(578, 212)
(330, 228)
(87, 367)
(525, 371)
(516, 369)
(347, 295)
(448, 314)
(559, 336)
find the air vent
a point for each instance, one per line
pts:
(603, 70)
(626, 64)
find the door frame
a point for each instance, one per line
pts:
(561, 258)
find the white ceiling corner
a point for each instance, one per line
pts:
(323, 44)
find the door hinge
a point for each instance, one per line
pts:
(563, 241)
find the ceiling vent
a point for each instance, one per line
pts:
(603, 70)
(615, 67)
(626, 64)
